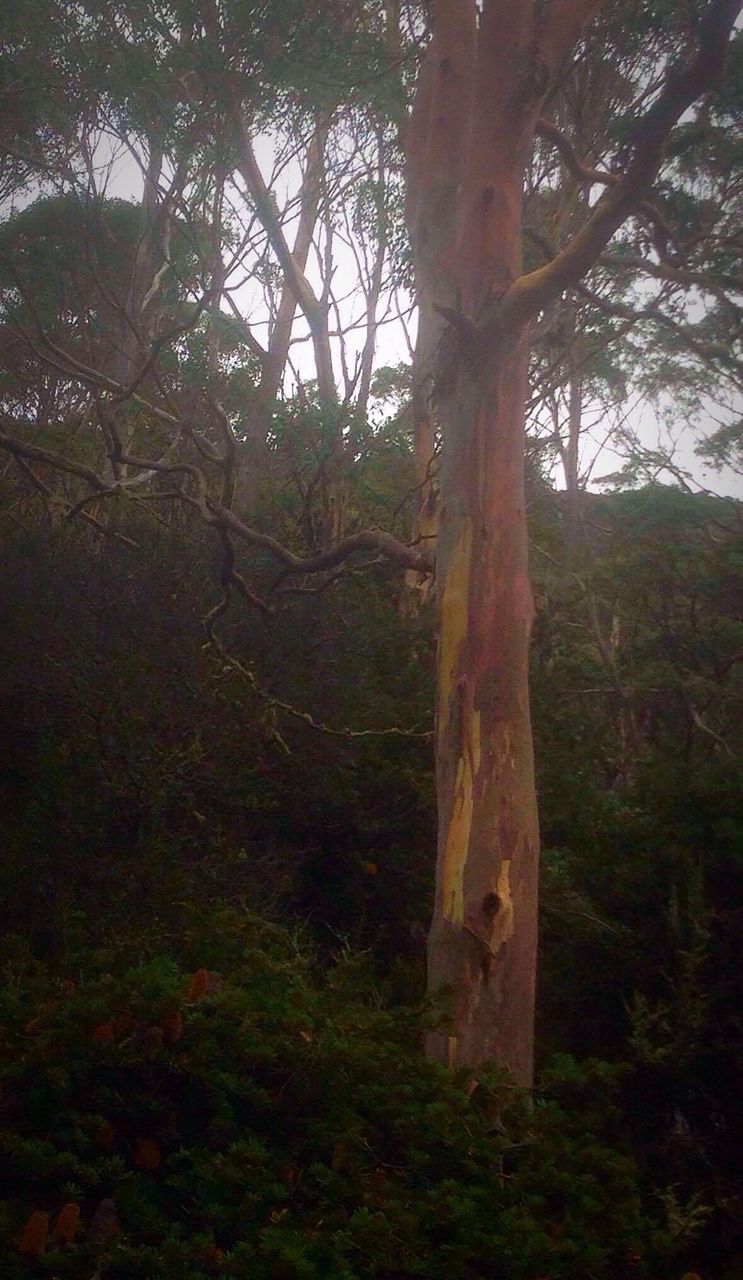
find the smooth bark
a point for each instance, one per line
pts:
(482, 945)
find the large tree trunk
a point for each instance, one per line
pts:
(465, 212)
(482, 945)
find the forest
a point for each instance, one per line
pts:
(371, 613)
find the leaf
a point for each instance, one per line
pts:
(67, 1223)
(197, 986)
(35, 1233)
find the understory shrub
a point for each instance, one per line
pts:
(225, 1109)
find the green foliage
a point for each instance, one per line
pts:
(292, 1129)
(143, 780)
(637, 705)
(138, 770)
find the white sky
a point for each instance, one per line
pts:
(120, 177)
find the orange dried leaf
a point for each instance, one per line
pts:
(66, 1224)
(33, 1027)
(68, 987)
(147, 1154)
(35, 1233)
(103, 1034)
(172, 1028)
(198, 985)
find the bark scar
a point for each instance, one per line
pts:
(479, 938)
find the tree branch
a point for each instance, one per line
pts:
(34, 453)
(564, 22)
(87, 516)
(565, 149)
(598, 177)
(676, 275)
(705, 350)
(365, 540)
(220, 516)
(311, 307)
(530, 293)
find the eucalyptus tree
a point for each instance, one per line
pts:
(489, 79)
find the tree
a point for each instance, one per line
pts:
(487, 76)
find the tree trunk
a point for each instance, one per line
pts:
(426, 519)
(572, 458)
(482, 945)
(476, 111)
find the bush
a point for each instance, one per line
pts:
(226, 1110)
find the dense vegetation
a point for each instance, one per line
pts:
(164, 816)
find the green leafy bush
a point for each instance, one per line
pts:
(252, 1118)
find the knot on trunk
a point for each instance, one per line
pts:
(491, 905)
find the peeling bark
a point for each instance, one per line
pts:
(465, 208)
(482, 945)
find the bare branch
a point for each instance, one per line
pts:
(365, 540)
(34, 453)
(708, 281)
(530, 293)
(705, 350)
(234, 664)
(87, 516)
(311, 307)
(564, 22)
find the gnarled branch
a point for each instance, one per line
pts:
(531, 292)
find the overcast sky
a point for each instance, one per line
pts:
(120, 177)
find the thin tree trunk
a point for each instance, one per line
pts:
(138, 314)
(274, 359)
(274, 365)
(139, 311)
(312, 307)
(571, 458)
(426, 518)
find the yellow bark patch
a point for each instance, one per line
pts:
(507, 755)
(503, 922)
(454, 608)
(460, 823)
